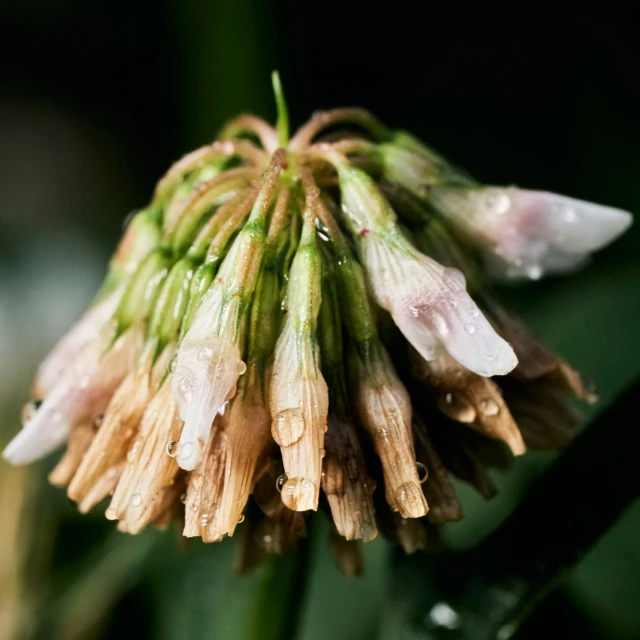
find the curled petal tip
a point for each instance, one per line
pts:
(35, 442)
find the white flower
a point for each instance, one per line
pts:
(431, 307)
(527, 234)
(82, 393)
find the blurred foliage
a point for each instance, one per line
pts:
(98, 98)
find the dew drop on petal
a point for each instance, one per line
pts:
(296, 492)
(475, 312)
(408, 498)
(172, 448)
(135, 500)
(204, 520)
(422, 472)
(133, 452)
(288, 426)
(570, 215)
(204, 354)
(489, 407)
(241, 518)
(97, 421)
(110, 514)
(173, 363)
(454, 279)
(280, 482)
(470, 328)
(414, 312)
(441, 326)
(534, 272)
(242, 368)
(449, 398)
(187, 452)
(183, 498)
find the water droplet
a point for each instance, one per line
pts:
(242, 368)
(422, 472)
(475, 312)
(454, 279)
(442, 615)
(441, 326)
(534, 272)
(498, 203)
(183, 498)
(570, 215)
(457, 407)
(135, 500)
(491, 356)
(29, 410)
(172, 448)
(241, 518)
(98, 420)
(470, 328)
(489, 407)
(280, 482)
(298, 494)
(204, 520)
(414, 312)
(370, 485)
(133, 452)
(110, 514)
(408, 499)
(204, 354)
(288, 426)
(173, 363)
(187, 453)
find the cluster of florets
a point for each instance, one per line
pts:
(307, 322)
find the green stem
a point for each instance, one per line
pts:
(282, 125)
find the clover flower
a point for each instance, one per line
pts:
(307, 323)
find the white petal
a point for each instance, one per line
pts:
(526, 234)
(206, 372)
(431, 306)
(79, 396)
(74, 342)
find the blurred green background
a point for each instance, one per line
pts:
(96, 100)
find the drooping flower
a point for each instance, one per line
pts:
(304, 324)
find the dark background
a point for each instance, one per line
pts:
(98, 98)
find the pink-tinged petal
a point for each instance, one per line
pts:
(527, 234)
(81, 394)
(206, 372)
(431, 306)
(74, 342)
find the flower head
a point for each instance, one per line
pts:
(304, 324)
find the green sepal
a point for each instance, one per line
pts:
(171, 304)
(142, 234)
(200, 283)
(139, 297)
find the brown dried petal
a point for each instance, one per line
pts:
(149, 468)
(346, 483)
(440, 492)
(79, 441)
